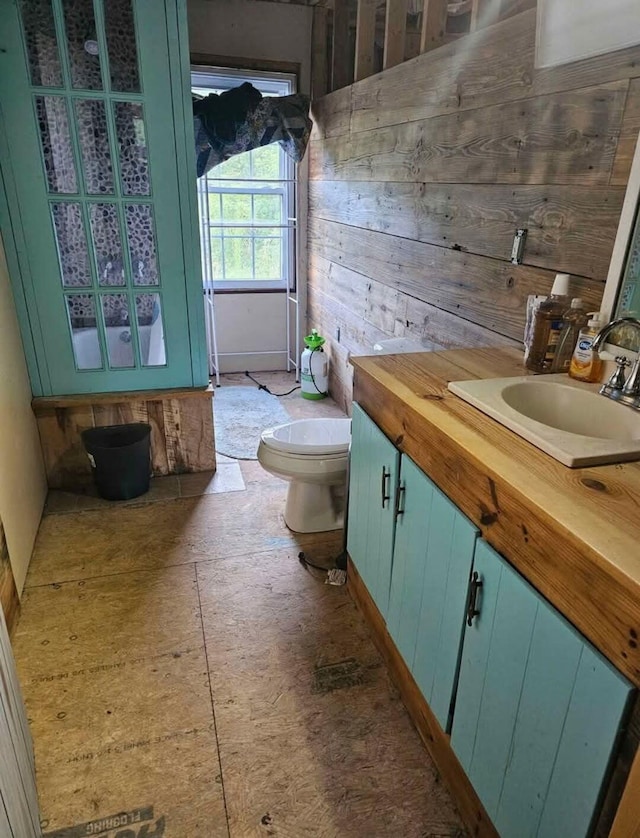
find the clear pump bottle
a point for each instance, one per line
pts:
(572, 322)
(547, 325)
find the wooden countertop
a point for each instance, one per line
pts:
(573, 533)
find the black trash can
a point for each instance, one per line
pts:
(120, 459)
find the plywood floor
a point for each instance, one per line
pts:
(185, 677)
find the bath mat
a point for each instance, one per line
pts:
(240, 414)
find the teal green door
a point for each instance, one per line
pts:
(432, 559)
(373, 479)
(93, 165)
(537, 711)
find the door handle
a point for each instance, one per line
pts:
(398, 511)
(475, 585)
(384, 489)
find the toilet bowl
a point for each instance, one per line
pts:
(312, 455)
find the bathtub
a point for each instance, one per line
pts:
(86, 347)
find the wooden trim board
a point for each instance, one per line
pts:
(43, 403)
(436, 741)
(9, 600)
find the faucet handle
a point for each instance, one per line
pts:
(617, 380)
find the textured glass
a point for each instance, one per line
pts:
(142, 244)
(105, 232)
(53, 123)
(84, 331)
(41, 43)
(121, 44)
(150, 330)
(91, 121)
(82, 44)
(72, 245)
(132, 146)
(115, 308)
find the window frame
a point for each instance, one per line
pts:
(205, 77)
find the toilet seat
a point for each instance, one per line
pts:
(310, 437)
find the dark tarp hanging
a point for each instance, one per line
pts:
(241, 119)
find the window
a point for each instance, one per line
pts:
(246, 204)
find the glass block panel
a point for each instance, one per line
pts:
(84, 331)
(115, 310)
(72, 245)
(150, 330)
(42, 46)
(91, 121)
(121, 42)
(132, 145)
(142, 244)
(53, 122)
(268, 259)
(107, 247)
(82, 44)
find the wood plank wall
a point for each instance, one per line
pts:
(182, 434)
(9, 600)
(421, 174)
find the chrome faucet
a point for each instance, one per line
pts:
(618, 387)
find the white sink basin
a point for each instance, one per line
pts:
(566, 418)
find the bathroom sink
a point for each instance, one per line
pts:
(565, 418)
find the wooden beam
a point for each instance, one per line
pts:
(627, 822)
(340, 51)
(395, 29)
(434, 22)
(365, 39)
(319, 60)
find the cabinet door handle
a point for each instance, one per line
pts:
(399, 495)
(384, 489)
(472, 611)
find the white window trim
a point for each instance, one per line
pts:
(269, 84)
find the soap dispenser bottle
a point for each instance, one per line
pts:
(573, 321)
(547, 325)
(585, 363)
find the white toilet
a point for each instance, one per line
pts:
(312, 454)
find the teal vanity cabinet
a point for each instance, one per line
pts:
(534, 711)
(538, 709)
(432, 559)
(98, 194)
(373, 470)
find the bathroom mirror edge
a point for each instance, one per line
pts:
(626, 225)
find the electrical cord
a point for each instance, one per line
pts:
(267, 390)
(313, 381)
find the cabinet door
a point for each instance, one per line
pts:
(372, 484)
(537, 711)
(432, 560)
(98, 193)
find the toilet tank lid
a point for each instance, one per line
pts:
(310, 436)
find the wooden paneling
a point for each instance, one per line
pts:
(569, 230)
(489, 292)
(182, 437)
(563, 138)
(421, 174)
(395, 30)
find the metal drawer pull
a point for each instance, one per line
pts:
(385, 486)
(472, 611)
(399, 495)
